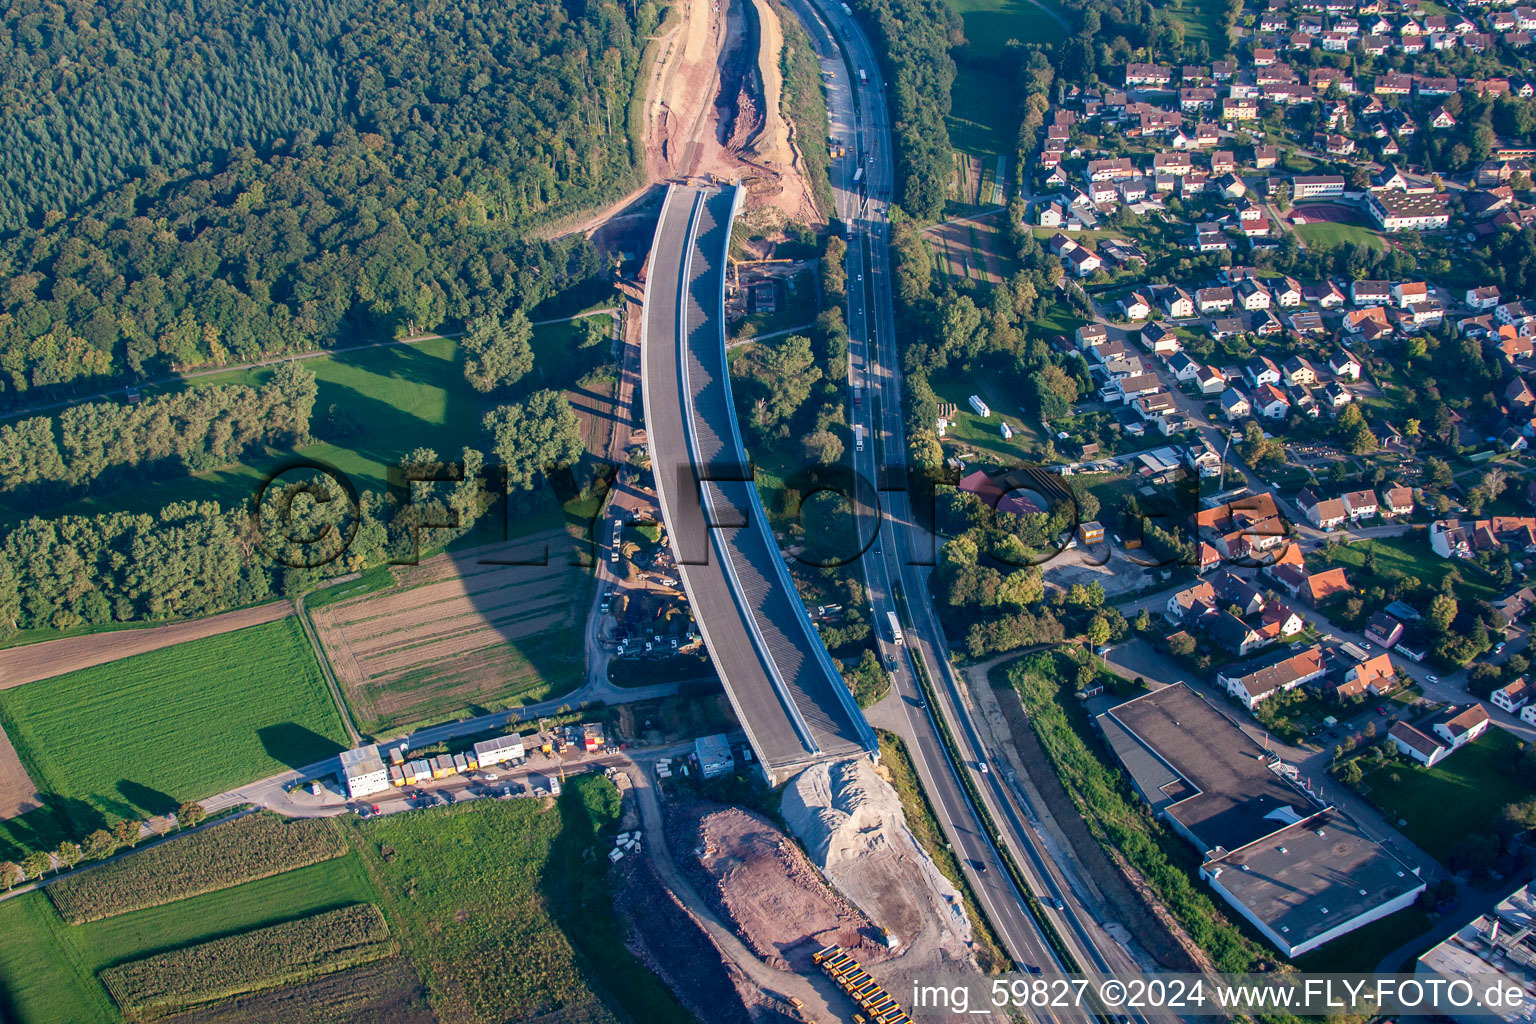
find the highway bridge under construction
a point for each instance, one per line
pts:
(789, 696)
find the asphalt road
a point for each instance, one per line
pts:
(897, 584)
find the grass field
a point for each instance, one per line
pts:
(387, 402)
(1202, 21)
(48, 969)
(503, 906)
(1463, 795)
(1330, 235)
(1411, 556)
(971, 432)
(135, 737)
(984, 116)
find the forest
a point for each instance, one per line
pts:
(915, 36)
(187, 432)
(202, 186)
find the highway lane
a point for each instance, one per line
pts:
(869, 321)
(894, 579)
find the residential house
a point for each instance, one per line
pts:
(1183, 367)
(1323, 294)
(1176, 302)
(1234, 405)
(1270, 402)
(1135, 306)
(1396, 501)
(1159, 340)
(1299, 372)
(1210, 380)
(1376, 675)
(1191, 603)
(1344, 365)
(1323, 513)
(1213, 300)
(1083, 261)
(1336, 395)
(1360, 504)
(1288, 292)
(1318, 587)
(1253, 295)
(1370, 293)
(1252, 683)
(1383, 629)
(1514, 696)
(1261, 371)
(1483, 298)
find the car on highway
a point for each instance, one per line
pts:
(980, 866)
(981, 766)
(1433, 679)
(1057, 903)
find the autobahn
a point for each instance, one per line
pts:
(894, 564)
(787, 694)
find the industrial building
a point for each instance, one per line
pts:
(363, 771)
(1499, 945)
(714, 754)
(1300, 870)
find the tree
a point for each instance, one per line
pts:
(1522, 815)
(100, 845)
(35, 863)
(1099, 630)
(1442, 612)
(1439, 472)
(10, 874)
(1181, 645)
(785, 375)
(126, 832)
(1143, 621)
(69, 854)
(822, 447)
(1494, 482)
(497, 352)
(189, 814)
(534, 435)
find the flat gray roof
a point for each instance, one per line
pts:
(1299, 866)
(1234, 797)
(1302, 883)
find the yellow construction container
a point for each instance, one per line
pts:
(823, 953)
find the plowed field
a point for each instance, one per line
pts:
(455, 634)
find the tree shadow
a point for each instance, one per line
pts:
(146, 799)
(295, 745)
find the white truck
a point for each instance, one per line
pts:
(858, 437)
(896, 637)
(863, 77)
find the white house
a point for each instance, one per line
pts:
(1343, 364)
(1514, 696)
